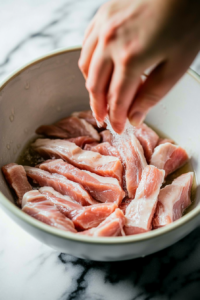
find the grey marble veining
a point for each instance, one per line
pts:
(30, 270)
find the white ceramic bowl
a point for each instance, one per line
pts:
(52, 87)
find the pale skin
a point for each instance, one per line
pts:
(125, 39)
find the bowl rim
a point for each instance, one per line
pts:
(83, 238)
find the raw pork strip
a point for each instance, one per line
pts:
(103, 189)
(108, 166)
(140, 211)
(104, 149)
(90, 216)
(132, 156)
(169, 157)
(88, 147)
(173, 200)
(78, 127)
(16, 178)
(70, 127)
(39, 207)
(163, 141)
(148, 138)
(124, 204)
(86, 115)
(83, 217)
(52, 131)
(106, 136)
(62, 202)
(60, 184)
(111, 226)
(82, 140)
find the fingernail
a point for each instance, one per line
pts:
(117, 127)
(100, 121)
(137, 118)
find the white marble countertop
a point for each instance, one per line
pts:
(30, 270)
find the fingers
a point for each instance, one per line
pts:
(157, 84)
(121, 92)
(88, 30)
(87, 52)
(99, 75)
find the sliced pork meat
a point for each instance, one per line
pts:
(173, 199)
(83, 217)
(169, 157)
(106, 136)
(103, 189)
(82, 140)
(52, 131)
(124, 204)
(60, 184)
(141, 210)
(104, 149)
(133, 159)
(111, 226)
(108, 166)
(16, 178)
(86, 115)
(148, 138)
(78, 127)
(70, 127)
(90, 216)
(62, 202)
(88, 147)
(163, 141)
(39, 207)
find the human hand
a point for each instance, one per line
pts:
(127, 37)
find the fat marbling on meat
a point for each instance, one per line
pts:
(173, 199)
(39, 207)
(103, 189)
(141, 210)
(111, 226)
(60, 184)
(169, 157)
(69, 127)
(108, 166)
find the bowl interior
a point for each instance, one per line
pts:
(53, 87)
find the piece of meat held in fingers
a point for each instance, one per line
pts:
(106, 136)
(169, 157)
(41, 208)
(82, 140)
(141, 210)
(133, 159)
(52, 131)
(103, 189)
(86, 115)
(111, 226)
(107, 166)
(17, 179)
(173, 199)
(83, 217)
(104, 149)
(78, 127)
(60, 184)
(148, 138)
